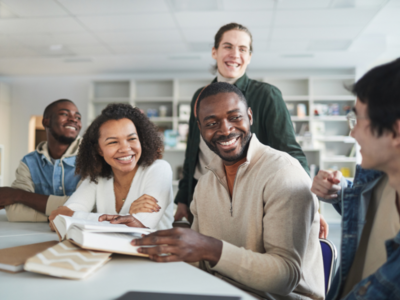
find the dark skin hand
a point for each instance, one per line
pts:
(10, 196)
(182, 244)
(126, 220)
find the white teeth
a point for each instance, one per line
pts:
(233, 65)
(228, 143)
(70, 127)
(125, 158)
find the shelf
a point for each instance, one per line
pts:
(330, 118)
(339, 158)
(336, 138)
(334, 98)
(162, 119)
(154, 99)
(185, 99)
(294, 118)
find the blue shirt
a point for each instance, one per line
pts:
(385, 282)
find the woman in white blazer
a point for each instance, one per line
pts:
(119, 162)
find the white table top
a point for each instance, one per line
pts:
(120, 275)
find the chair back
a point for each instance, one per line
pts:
(329, 256)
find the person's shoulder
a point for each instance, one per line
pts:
(276, 159)
(262, 86)
(31, 155)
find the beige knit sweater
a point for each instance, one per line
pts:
(269, 229)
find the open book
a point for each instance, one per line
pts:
(101, 236)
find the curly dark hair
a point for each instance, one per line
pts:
(89, 163)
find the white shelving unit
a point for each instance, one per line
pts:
(326, 145)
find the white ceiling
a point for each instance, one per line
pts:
(104, 36)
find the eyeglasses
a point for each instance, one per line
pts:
(352, 119)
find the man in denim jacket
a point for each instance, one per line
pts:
(46, 177)
(370, 206)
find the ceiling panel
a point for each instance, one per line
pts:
(62, 38)
(40, 25)
(346, 32)
(303, 4)
(153, 48)
(331, 17)
(215, 20)
(90, 50)
(142, 36)
(248, 5)
(128, 22)
(16, 52)
(107, 7)
(35, 8)
(288, 45)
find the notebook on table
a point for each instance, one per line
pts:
(13, 259)
(67, 261)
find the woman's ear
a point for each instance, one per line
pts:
(99, 151)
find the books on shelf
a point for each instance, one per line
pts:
(67, 261)
(13, 259)
(101, 236)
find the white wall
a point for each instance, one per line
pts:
(5, 130)
(29, 96)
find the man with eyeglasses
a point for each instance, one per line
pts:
(370, 206)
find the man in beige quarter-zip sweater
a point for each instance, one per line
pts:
(258, 231)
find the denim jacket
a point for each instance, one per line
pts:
(57, 179)
(353, 205)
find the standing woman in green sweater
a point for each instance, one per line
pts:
(272, 124)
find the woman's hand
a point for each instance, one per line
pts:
(62, 210)
(129, 221)
(144, 203)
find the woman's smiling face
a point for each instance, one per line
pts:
(119, 145)
(233, 53)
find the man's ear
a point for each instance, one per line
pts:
(396, 135)
(250, 115)
(198, 124)
(46, 122)
(214, 53)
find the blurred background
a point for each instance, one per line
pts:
(155, 54)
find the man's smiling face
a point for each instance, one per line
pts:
(65, 122)
(224, 122)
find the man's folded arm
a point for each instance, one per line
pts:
(30, 207)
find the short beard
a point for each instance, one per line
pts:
(62, 139)
(244, 144)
